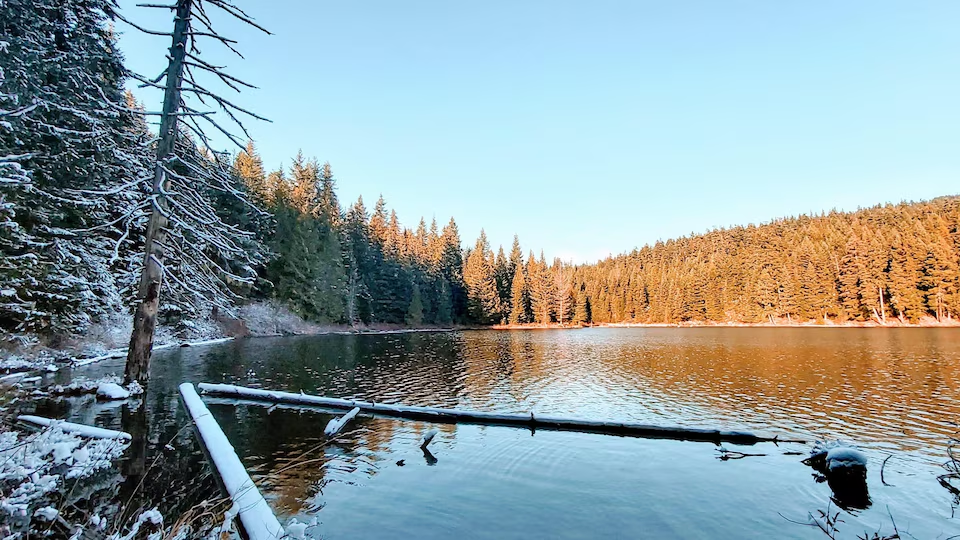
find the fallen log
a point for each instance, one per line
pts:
(81, 430)
(453, 416)
(256, 517)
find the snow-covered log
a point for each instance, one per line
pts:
(77, 429)
(433, 414)
(256, 517)
(428, 437)
(335, 425)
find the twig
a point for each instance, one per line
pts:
(881, 470)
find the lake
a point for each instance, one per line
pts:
(892, 392)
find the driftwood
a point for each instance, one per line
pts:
(453, 416)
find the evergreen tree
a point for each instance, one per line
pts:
(451, 268)
(541, 289)
(519, 298)
(249, 168)
(415, 311)
(483, 298)
(328, 206)
(582, 313)
(71, 159)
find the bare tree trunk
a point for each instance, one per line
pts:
(145, 318)
(883, 312)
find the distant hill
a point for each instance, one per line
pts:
(893, 262)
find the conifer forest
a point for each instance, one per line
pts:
(77, 158)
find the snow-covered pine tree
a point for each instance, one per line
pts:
(73, 165)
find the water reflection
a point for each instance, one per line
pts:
(887, 390)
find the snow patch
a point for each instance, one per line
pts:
(108, 390)
(33, 468)
(841, 457)
(47, 513)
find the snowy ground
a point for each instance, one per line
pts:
(61, 479)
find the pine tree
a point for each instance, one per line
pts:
(304, 184)
(541, 289)
(519, 298)
(328, 207)
(415, 311)
(71, 160)
(451, 268)
(483, 299)
(562, 282)
(582, 313)
(249, 168)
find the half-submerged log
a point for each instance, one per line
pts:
(81, 430)
(453, 416)
(256, 517)
(335, 425)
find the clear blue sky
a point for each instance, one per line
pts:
(596, 127)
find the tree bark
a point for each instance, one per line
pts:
(145, 318)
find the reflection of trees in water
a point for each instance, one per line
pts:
(867, 384)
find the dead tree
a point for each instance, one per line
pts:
(180, 216)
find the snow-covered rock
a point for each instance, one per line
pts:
(835, 456)
(840, 457)
(109, 390)
(295, 529)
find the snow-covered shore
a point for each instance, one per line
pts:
(107, 340)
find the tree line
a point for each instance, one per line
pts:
(890, 262)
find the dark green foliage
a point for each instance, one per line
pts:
(415, 311)
(71, 153)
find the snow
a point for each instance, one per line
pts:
(295, 529)
(257, 518)
(841, 457)
(81, 430)
(47, 513)
(336, 424)
(152, 519)
(34, 467)
(108, 390)
(110, 384)
(428, 436)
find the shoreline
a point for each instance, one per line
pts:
(952, 323)
(53, 361)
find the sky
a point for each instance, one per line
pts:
(593, 128)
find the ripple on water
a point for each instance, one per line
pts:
(893, 392)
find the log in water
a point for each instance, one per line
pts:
(258, 520)
(529, 421)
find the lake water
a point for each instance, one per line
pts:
(893, 392)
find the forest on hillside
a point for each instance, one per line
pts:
(77, 155)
